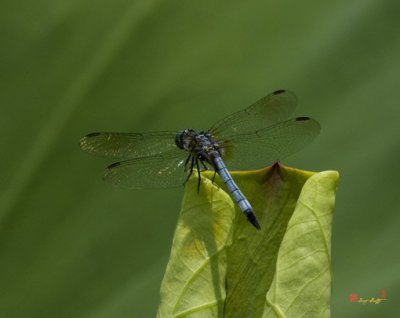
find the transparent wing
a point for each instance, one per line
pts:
(273, 108)
(128, 145)
(165, 170)
(262, 147)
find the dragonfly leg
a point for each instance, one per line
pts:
(198, 172)
(215, 172)
(191, 168)
(187, 161)
(204, 166)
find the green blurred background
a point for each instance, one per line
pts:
(74, 246)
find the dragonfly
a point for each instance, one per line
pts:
(251, 138)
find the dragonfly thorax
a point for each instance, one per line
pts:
(200, 143)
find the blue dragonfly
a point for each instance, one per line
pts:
(252, 138)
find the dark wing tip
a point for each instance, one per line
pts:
(86, 137)
(108, 174)
(302, 118)
(279, 91)
(92, 135)
(312, 123)
(84, 142)
(113, 165)
(87, 142)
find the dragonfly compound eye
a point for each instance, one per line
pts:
(179, 140)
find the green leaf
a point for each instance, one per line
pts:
(220, 266)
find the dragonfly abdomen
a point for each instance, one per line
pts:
(239, 197)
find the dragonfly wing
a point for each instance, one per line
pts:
(273, 108)
(265, 146)
(165, 170)
(128, 145)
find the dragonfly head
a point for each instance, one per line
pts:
(184, 138)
